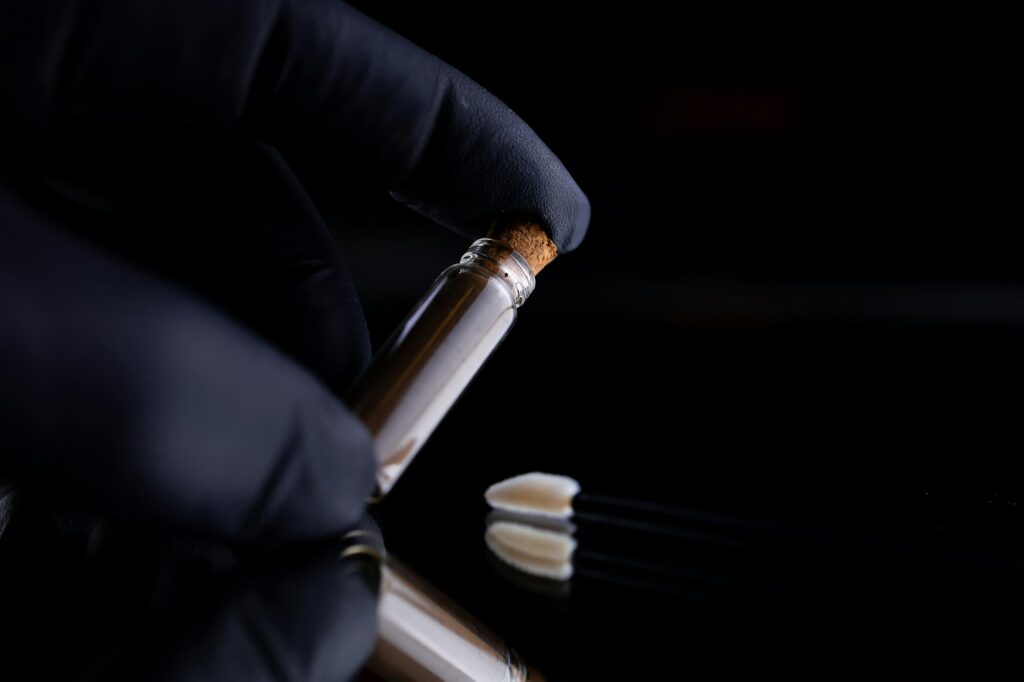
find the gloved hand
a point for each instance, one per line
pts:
(176, 323)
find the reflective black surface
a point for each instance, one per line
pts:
(89, 600)
(811, 540)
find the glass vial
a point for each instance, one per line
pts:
(423, 368)
(425, 636)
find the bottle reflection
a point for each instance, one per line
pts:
(422, 634)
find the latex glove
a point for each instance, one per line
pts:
(176, 322)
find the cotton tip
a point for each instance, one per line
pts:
(538, 552)
(535, 493)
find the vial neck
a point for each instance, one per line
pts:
(503, 263)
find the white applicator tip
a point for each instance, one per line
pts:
(535, 493)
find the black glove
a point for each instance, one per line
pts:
(175, 320)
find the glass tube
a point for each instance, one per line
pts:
(430, 359)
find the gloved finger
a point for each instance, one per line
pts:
(267, 258)
(312, 77)
(228, 219)
(131, 397)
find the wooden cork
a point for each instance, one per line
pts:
(529, 240)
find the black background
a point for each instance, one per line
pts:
(800, 301)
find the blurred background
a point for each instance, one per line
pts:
(799, 301)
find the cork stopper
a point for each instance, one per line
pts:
(529, 240)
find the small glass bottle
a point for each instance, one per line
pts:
(430, 359)
(422, 634)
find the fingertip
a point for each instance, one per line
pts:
(360, 473)
(247, 446)
(326, 475)
(568, 233)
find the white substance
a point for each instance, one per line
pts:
(535, 493)
(544, 553)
